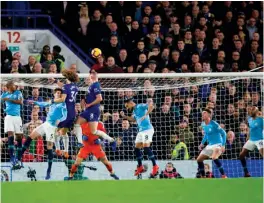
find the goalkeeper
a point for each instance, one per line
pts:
(79, 173)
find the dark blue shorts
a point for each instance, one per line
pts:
(91, 115)
(68, 123)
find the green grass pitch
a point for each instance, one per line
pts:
(136, 191)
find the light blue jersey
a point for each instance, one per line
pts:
(11, 108)
(255, 128)
(57, 111)
(213, 133)
(139, 111)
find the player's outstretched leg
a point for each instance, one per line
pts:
(109, 167)
(19, 150)
(200, 162)
(215, 156)
(50, 159)
(57, 139)
(140, 168)
(75, 166)
(148, 151)
(242, 157)
(11, 147)
(78, 130)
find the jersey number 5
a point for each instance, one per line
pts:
(73, 96)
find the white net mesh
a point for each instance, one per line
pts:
(178, 105)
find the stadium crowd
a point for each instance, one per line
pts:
(146, 37)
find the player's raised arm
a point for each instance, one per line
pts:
(19, 99)
(42, 104)
(129, 118)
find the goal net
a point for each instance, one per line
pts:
(178, 99)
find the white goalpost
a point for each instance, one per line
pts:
(178, 99)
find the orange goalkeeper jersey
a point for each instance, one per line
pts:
(87, 132)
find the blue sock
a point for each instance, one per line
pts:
(219, 166)
(50, 158)
(201, 168)
(11, 147)
(26, 145)
(150, 154)
(19, 149)
(139, 156)
(244, 164)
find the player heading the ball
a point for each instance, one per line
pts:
(92, 111)
(215, 136)
(13, 123)
(70, 91)
(144, 137)
(57, 114)
(256, 137)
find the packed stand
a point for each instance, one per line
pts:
(44, 62)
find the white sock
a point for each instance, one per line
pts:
(65, 139)
(78, 132)
(57, 142)
(103, 135)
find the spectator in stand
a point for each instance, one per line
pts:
(123, 60)
(256, 101)
(170, 172)
(15, 67)
(46, 64)
(243, 134)
(259, 60)
(43, 55)
(35, 153)
(185, 133)
(114, 124)
(128, 134)
(37, 68)
(251, 27)
(206, 67)
(53, 68)
(58, 58)
(74, 68)
(34, 120)
(83, 21)
(254, 45)
(31, 63)
(221, 66)
(174, 63)
(110, 67)
(141, 64)
(231, 149)
(100, 63)
(6, 57)
(180, 149)
(113, 48)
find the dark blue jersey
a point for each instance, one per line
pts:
(92, 92)
(71, 90)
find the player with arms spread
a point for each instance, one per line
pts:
(70, 91)
(92, 146)
(216, 138)
(57, 114)
(13, 123)
(92, 112)
(256, 138)
(144, 137)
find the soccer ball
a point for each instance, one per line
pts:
(96, 52)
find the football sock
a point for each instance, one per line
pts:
(244, 164)
(150, 154)
(109, 167)
(50, 158)
(219, 166)
(19, 149)
(78, 132)
(139, 156)
(57, 142)
(26, 145)
(201, 168)
(65, 139)
(11, 147)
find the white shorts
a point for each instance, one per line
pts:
(48, 130)
(145, 136)
(13, 124)
(251, 145)
(208, 150)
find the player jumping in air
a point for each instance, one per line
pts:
(144, 137)
(70, 91)
(92, 112)
(216, 138)
(13, 123)
(57, 114)
(92, 146)
(256, 138)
